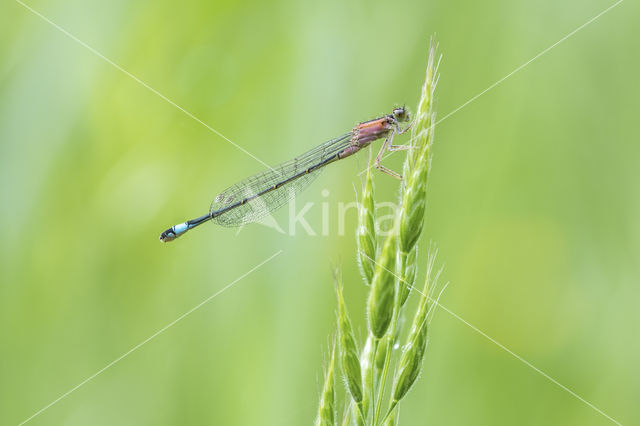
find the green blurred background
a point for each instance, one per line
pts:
(534, 205)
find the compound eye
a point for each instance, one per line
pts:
(401, 114)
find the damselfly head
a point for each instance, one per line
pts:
(401, 114)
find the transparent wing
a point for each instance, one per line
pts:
(258, 207)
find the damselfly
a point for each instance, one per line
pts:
(257, 196)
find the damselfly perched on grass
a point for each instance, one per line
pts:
(258, 195)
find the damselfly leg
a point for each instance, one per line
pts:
(388, 145)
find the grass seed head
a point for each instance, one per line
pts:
(367, 360)
(327, 408)
(366, 232)
(381, 354)
(417, 164)
(410, 362)
(380, 305)
(410, 267)
(348, 347)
